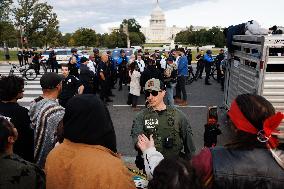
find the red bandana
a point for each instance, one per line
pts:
(269, 126)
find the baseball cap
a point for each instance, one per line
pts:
(50, 80)
(154, 85)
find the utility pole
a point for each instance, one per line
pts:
(125, 30)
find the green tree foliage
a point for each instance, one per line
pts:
(7, 30)
(133, 25)
(5, 7)
(8, 34)
(85, 37)
(202, 37)
(135, 35)
(115, 39)
(64, 39)
(38, 21)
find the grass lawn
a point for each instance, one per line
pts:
(13, 56)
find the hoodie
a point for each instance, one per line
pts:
(45, 115)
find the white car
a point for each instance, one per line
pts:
(62, 55)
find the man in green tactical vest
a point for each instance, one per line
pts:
(168, 125)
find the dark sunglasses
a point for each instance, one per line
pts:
(154, 93)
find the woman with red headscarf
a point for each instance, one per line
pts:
(254, 159)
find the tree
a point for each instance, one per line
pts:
(5, 7)
(85, 37)
(64, 39)
(8, 33)
(39, 23)
(135, 35)
(133, 25)
(202, 37)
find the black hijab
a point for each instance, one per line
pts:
(87, 120)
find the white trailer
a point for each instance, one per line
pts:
(256, 66)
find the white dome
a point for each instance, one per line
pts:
(157, 11)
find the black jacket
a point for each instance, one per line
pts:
(149, 73)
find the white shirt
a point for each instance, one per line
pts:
(92, 66)
(141, 65)
(177, 60)
(163, 63)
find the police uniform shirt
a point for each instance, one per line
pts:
(102, 67)
(20, 55)
(70, 87)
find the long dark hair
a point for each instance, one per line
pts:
(6, 130)
(256, 109)
(174, 173)
(132, 67)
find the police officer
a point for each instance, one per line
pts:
(122, 68)
(71, 86)
(113, 67)
(86, 76)
(200, 65)
(26, 56)
(21, 58)
(104, 74)
(35, 61)
(52, 61)
(97, 57)
(220, 57)
(74, 63)
(168, 125)
(158, 59)
(208, 61)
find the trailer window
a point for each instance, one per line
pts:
(276, 51)
(275, 68)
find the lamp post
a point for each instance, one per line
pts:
(21, 34)
(45, 33)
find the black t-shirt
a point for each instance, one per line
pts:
(52, 56)
(24, 146)
(70, 87)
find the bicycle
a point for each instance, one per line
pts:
(45, 65)
(213, 71)
(191, 76)
(27, 72)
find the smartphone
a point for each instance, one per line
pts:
(212, 117)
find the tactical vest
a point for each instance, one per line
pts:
(165, 130)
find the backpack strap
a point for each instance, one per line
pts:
(38, 99)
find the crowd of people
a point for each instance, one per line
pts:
(67, 139)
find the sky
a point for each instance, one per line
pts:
(102, 14)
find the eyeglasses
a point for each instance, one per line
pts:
(154, 93)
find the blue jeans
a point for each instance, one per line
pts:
(170, 94)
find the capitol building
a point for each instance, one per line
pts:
(158, 32)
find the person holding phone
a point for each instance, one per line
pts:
(168, 125)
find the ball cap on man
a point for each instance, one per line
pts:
(154, 85)
(50, 80)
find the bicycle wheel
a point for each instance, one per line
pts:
(30, 74)
(44, 67)
(214, 74)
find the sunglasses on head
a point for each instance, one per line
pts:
(154, 93)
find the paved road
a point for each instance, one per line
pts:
(200, 97)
